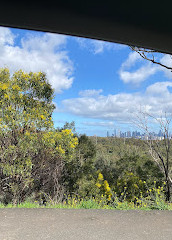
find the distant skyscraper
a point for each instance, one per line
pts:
(119, 133)
(160, 134)
(128, 134)
(133, 134)
(107, 133)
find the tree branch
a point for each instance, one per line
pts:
(142, 51)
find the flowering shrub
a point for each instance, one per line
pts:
(29, 144)
(103, 186)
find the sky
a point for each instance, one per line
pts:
(101, 86)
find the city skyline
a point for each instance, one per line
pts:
(137, 134)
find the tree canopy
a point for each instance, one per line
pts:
(26, 100)
(29, 143)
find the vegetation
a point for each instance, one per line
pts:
(44, 166)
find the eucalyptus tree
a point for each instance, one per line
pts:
(27, 133)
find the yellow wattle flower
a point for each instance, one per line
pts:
(43, 117)
(98, 185)
(100, 177)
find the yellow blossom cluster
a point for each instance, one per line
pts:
(103, 185)
(4, 86)
(63, 142)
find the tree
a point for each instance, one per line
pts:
(56, 152)
(161, 157)
(136, 174)
(26, 101)
(160, 149)
(70, 125)
(30, 148)
(80, 174)
(25, 108)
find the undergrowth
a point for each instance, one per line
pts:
(99, 203)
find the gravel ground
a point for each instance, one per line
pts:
(79, 224)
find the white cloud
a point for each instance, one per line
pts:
(6, 36)
(38, 52)
(167, 61)
(90, 92)
(124, 106)
(108, 124)
(133, 57)
(98, 46)
(111, 107)
(159, 89)
(139, 74)
(145, 68)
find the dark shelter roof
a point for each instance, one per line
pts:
(140, 23)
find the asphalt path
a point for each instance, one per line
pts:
(80, 224)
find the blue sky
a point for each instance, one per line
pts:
(100, 85)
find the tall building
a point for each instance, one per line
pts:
(160, 134)
(133, 134)
(119, 133)
(128, 134)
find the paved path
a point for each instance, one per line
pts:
(70, 224)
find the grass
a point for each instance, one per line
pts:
(91, 204)
(155, 200)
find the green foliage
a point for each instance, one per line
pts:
(79, 174)
(129, 173)
(29, 145)
(26, 101)
(25, 108)
(70, 125)
(140, 166)
(103, 186)
(89, 204)
(86, 147)
(43, 164)
(130, 186)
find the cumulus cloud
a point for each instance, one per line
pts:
(140, 73)
(6, 36)
(98, 46)
(38, 52)
(136, 70)
(90, 92)
(133, 57)
(123, 106)
(107, 124)
(111, 107)
(159, 89)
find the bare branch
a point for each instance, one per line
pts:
(142, 51)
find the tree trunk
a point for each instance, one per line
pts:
(168, 189)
